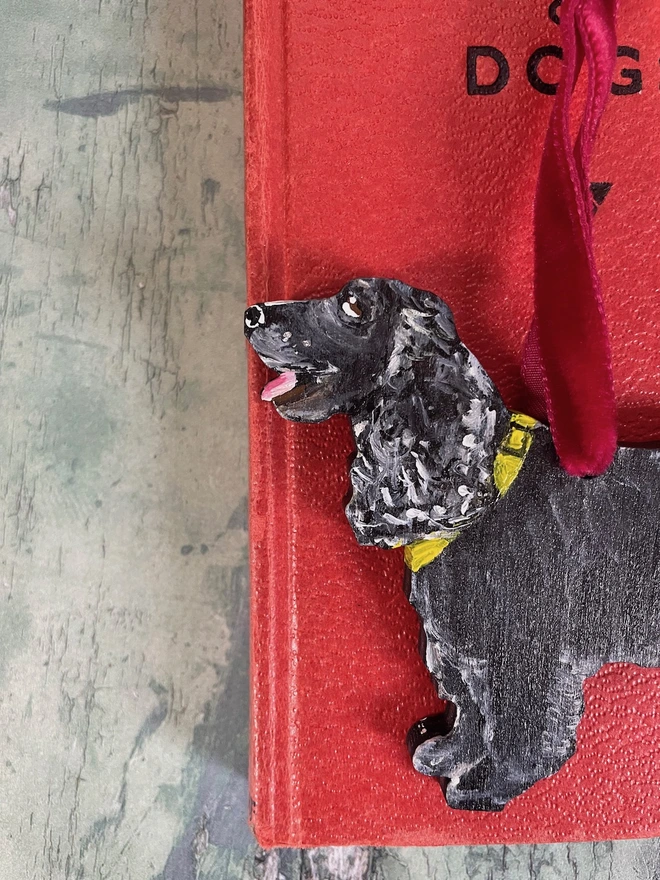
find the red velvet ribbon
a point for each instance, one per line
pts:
(567, 362)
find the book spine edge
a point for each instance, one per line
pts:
(270, 579)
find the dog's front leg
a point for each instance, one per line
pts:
(538, 706)
(438, 747)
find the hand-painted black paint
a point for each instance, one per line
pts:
(542, 586)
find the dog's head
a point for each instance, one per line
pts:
(426, 418)
(333, 354)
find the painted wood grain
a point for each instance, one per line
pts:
(123, 592)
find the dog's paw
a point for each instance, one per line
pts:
(476, 789)
(437, 749)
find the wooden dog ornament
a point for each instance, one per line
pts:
(526, 580)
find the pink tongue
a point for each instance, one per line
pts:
(278, 386)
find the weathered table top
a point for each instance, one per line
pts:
(123, 620)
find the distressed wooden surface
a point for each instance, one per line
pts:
(123, 614)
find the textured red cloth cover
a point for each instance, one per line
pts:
(567, 359)
(366, 154)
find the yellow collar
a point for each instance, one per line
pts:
(510, 457)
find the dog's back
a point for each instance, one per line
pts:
(559, 577)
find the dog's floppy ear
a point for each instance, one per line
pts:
(425, 447)
(431, 309)
(424, 329)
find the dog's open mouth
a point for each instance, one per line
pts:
(284, 383)
(286, 388)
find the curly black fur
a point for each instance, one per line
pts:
(426, 418)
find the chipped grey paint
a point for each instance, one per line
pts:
(122, 662)
(109, 103)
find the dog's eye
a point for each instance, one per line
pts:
(351, 307)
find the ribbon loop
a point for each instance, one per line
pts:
(567, 361)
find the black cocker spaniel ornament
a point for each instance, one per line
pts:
(526, 580)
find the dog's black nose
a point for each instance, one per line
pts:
(255, 317)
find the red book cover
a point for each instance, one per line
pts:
(402, 139)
